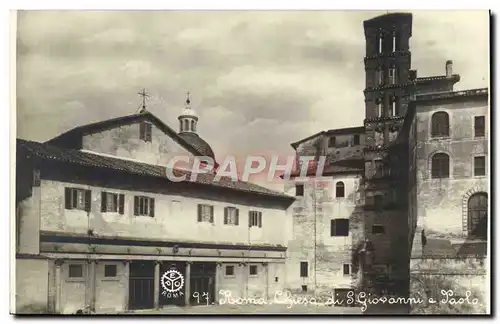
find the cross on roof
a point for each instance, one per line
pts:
(144, 95)
(188, 101)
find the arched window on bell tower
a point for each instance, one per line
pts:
(380, 43)
(379, 106)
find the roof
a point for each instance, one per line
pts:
(78, 132)
(443, 248)
(455, 78)
(198, 143)
(466, 94)
(338, 131)
(389, 19)
(49, 152)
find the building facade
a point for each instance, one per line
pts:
(101, 229)
(418, 177)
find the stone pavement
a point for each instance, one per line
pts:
(280, 309)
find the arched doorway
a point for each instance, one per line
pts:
(477, 216)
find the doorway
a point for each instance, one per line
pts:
(141, 285)
(202, 282)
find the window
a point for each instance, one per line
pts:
(145, 130)
(356, 139)
(192, 126)
(304, 288)
(339, 189)
(379, 75)
(77, 199)
(304, 267)
(347, 269)
(205, 213)
(75, 271)
(111, 202)
(186, 125)
(479, 165)
(331, 141)
(144, 206)
(229, 270)
(180, 125)
(378, 201)
(380, 43)
(392, 75)
(339, 227)
(440, 166)
(299, 190)
(110, 270)
(440, 124)
(380, 107)
(394, 107)
(479, 126)
(378, 229)
(477, 218)
(231, 216)
(253, 270)
(394, 47)
(254, 219)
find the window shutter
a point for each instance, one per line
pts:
(211, 214)
(260, 219)
(88, 200)
(149, 128)
(249, 219)
(67, 198)
(103, 201)
(136, 205)
(151, 207)
(121, 204)
(199, 213)
(237, 220)
(226, 211)
(141, 131)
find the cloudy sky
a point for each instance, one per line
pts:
(259, 80)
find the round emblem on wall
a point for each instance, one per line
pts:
(172, 281)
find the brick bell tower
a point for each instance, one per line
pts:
(389, 85)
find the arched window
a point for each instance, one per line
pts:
(379, 75)
(440, 124)
(192, 126)
(440, 165)
(380, 43)
(477, 216)
(180, 126)
(339, 190)
(186, 125)
(380, 107)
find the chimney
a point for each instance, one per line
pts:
(449, 69)
(413, 75)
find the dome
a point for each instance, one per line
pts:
(198, 144)
(188, 112)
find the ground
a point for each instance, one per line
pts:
(251, 309)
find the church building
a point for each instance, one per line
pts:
(100, 228)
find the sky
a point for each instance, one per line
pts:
(258, 80)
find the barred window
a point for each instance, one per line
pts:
(144, 206)
(254, 219)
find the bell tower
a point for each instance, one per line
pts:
(188, 119)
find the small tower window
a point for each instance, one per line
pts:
(186, 125)
(379, 75)
(394, 107)
(394, 47)
(380, 43)
(192, 126)
(379, 107)
(392, 75)
(180, 125)
(340, 190)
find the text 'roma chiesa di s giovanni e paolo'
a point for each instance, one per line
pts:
(130, 213)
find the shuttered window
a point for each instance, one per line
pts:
(205, 213)
(112, 202)
(145, 130)
(254, 219)
(76, 198)
(231, 216)
(144, 206)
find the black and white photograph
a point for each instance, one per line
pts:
(251, 162)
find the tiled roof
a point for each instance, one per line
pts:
(454, 77)
(198, 143)
(53, 153)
